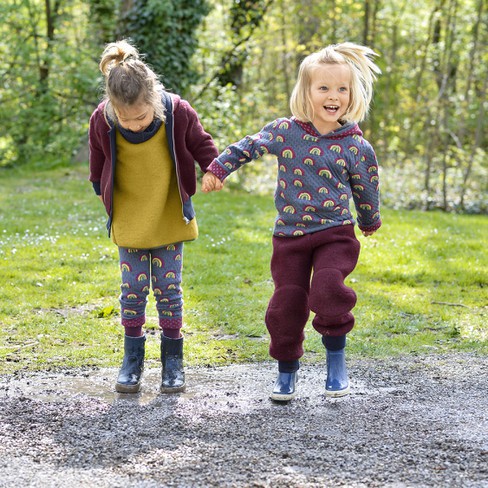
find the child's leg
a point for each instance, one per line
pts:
(135, 270)
(336, 255)
(134, 266)
(167, 265)
(288, 310)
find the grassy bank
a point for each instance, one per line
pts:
(421, 281)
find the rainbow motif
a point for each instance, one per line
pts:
(344, 211)
(125, 267)
(307, 218)
(170, 274)
(158, 291)
(310, 208)
(282, 195)
(280, 138)
(326, 221)
(354, 150)
(356, 176)
(246, 153)
(289, 209)
(316, 151)
(144, 258)
(308, 161)
(374, 179)
(304, 195)
(356, 137)
(335, 148)
(168, 313)
(323, 190)
(363, 158)
(157, 262)
(298, 233)
(125, 285)
(365, 206)
(242, 160)
(178, 257)
(280, 222)
(298, 172)
(128, 311)
(325, 173)
(171, 247)
(142, 277)
(281, 234)
(356, 195)
(297, 183)
(347, 222)
(171, 286)
(227, 152)
(228, 165)
(131, 251)
(340, 186)
(282, 168)
(282, 183)
(299, 224)
(358, 187)
(145, 289)
(288, 153)
(340, 162)
(154, 279)
(376, 215)
(164, 300)
(264, 150)
(309, 137)
(132, 296)
(344, 196)
(328, 203)
(284, 125)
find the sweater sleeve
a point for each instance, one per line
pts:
(198, 141)
(244, 151)
(365, 189)
(96, 156)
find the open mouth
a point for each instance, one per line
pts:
(332, 109)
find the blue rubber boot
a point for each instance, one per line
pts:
(337, 383)
(130, 374)
(284, 388)
(173, 376)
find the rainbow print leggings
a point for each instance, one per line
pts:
(159, 268)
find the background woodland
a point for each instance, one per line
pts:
(236, 62)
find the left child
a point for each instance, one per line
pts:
(144, 142)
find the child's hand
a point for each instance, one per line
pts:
(367, 233)
(211, 183)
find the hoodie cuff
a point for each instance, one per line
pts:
(217, 170)
(370, 228)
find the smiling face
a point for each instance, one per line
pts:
(330, 91)
(136, 117)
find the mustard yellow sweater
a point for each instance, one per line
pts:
(147, 208)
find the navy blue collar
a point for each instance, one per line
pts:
(138, 137)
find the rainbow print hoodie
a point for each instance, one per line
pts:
(318, 175)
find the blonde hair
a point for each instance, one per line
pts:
(128, 80)
(363, 74)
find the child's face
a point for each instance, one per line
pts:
(136, 117)
(329, 95)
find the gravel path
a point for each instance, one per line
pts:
(409, 422)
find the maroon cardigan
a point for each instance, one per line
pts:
(187, 141)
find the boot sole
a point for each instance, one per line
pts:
(120, 388)
(282, 397)
(177, 389)
(338, 393)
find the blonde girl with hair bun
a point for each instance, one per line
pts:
(323, 163)
(144, 142)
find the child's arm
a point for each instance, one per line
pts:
(365, 191)
(238, 154)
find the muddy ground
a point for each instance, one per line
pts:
(409, 422)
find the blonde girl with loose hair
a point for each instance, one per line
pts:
(144, 143)
(323, 163)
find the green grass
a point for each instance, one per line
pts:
(421, 280)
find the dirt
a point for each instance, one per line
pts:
(409, 422)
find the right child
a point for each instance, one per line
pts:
(323, 162)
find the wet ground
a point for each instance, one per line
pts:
(409, 422)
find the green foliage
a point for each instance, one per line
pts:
(422, 280)
(165, 30)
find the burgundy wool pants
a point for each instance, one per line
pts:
(308, 274)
